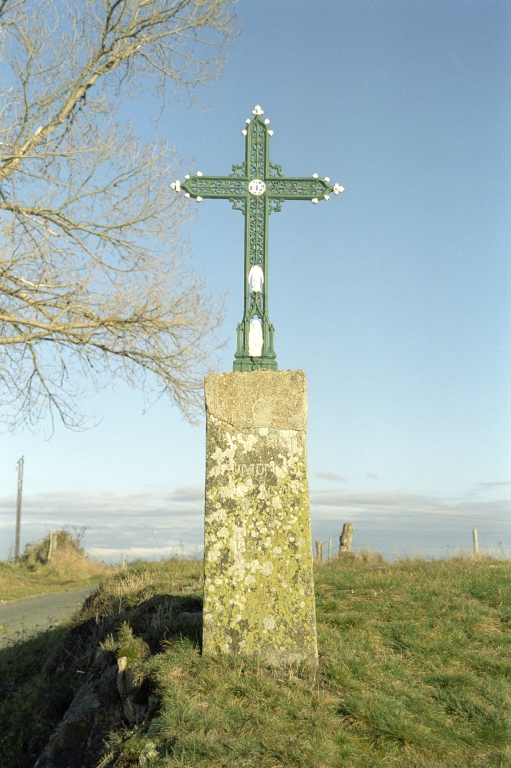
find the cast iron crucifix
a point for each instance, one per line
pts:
(257, 187)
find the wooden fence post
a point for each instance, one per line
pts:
(476, 545)
(319, 551)
(345, 538)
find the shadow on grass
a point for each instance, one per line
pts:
(40, 675)
(161, 618)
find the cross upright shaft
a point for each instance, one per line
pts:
(256, 187)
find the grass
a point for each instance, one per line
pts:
(70, 568)
(414, 672)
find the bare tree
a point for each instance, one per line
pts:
(94, 281)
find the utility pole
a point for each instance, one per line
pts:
(18, 509)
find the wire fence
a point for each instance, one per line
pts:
(392, 542)
(338, 544)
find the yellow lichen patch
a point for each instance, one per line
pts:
(258, 597)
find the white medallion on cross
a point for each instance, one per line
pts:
(257, 187)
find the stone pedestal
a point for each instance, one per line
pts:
(258, 590)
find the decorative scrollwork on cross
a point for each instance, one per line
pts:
(257, 153)
(256, 193)
(256, 305)
(274, 206)
(239, 170)
(297, 189)
(239, 204)
(275, 170)
(257, 231)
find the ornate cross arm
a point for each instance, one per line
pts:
(276, 187)
(256, 187)
(222, 188)
(313, 189)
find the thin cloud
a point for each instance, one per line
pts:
(182, 499)
(394, 505)
(171, 523)
(372, 476)
(120, 522)
(494, 483)
(383, 498)
(189, 493)
(331, 476)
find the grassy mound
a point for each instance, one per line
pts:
(55, 563)
(415, 671)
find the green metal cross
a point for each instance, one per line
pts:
(257, 187)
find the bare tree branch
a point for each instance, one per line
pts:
(94, 282)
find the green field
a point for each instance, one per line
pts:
(414, 671)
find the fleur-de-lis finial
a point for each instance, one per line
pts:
(257, 110)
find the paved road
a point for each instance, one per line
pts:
(35, 614)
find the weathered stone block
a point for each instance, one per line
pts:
(258, 589)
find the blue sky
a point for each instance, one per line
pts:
(393, 297)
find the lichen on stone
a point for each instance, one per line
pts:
(259, 597)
